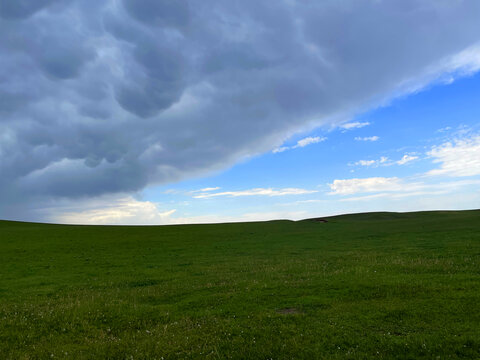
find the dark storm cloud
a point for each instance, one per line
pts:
(100, 97)
(20, 9)
(160, 13)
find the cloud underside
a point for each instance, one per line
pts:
(108, 97)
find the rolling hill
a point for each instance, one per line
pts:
(374, 285)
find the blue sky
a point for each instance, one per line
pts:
(408, 128)
(165, 112)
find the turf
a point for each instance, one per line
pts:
(379, 285)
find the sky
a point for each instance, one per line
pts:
(170, 112)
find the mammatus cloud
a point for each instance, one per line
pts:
(367, 138)
(105, 97)
(301, 143)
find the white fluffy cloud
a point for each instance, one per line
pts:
(301, 143)
(354, 125)
(406, 159)
(130, 211)
(373, 184)
(309, 140)
(367, 138)
(385, 161)
(382, 160)
(457, 158)
(257, 192)
(207, 189)
(121, 211)
(418, 190)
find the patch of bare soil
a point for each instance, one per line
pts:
(289, 311)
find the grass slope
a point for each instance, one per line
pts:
(378, 285)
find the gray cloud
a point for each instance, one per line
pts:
(108, 97)
(166, 13)
(21, 9)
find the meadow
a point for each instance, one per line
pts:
(376, 285)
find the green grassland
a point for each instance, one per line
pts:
(379, 285)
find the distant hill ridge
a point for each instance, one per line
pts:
(366, 216)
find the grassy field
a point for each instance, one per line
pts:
(380, 285)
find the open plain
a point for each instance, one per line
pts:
(374, 285)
